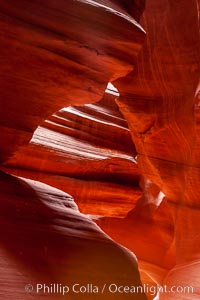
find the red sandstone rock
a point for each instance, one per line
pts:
(48, 63)
(89, 154)
(45, 239)
(157, 99)
(55, 54)
(58, 53)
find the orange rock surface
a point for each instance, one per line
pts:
(45, 239)
(55, 54)
(77, 156)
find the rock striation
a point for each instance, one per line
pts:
(55, 54)
(160, 108)
(86, 151)
(45, 239)
(77, 156)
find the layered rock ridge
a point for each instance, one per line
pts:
(132, 166)
(158, 101)
(57, 54)
(86, 151)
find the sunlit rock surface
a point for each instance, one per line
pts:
(87, 152)
(55, 54)
(127, 158)
(59, 53)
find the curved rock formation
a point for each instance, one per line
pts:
(131, 164)
(53, 55)
(78, 150)
(45, 239)
(159, 107)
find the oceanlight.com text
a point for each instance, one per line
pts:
(113, 288)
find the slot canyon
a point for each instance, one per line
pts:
(100, 149)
